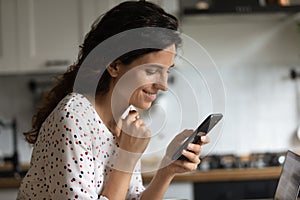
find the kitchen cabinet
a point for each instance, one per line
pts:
(8, 194)
(49, 33)
(8, 44)
(43, 35)
(230, 190)
(183, 190)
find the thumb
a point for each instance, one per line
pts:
(118, 128)
(183, 135)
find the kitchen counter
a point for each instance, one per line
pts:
(217, 175)
(11, 182)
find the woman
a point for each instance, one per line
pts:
(83, 147)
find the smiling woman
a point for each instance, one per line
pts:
(83, 149)
(139, 82)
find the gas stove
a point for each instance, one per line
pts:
(231, 161)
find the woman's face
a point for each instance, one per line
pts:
(141, 80)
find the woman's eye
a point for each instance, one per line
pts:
(150, 72)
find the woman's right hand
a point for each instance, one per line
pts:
(133, 138)
(134, 135)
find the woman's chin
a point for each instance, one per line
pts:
(144, 106)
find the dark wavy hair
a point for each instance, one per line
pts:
(125, 16)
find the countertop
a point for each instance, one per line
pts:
(197, 176)
(11, 182)
(218, 175)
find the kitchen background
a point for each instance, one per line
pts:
(254, 54)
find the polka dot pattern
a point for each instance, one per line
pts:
(73, 155)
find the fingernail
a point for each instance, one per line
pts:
(203, 138)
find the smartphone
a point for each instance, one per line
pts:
(202, 129)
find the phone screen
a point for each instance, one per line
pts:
(202, 129)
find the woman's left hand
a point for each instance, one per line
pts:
(192, 154)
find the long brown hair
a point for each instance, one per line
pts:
(125, 16)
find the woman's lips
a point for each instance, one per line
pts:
(149, 95)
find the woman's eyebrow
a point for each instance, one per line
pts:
(161, 66)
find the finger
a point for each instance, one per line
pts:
(118, 128)
(132, 116)
(196, 148)
(146, 132)
(140, 130)
(138, 122)
(191, 156)
(185, 165)
(205, 139)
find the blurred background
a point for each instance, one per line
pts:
(253, 47)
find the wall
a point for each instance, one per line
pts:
(18, 101)
(253, 54)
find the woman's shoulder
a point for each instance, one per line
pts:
(75, 109)
(74, 104)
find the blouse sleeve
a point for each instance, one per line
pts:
(70, 167)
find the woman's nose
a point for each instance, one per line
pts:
(161, 87)
(162, 84)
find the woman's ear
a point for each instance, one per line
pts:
(114, 69)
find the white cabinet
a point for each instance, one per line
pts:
(44, 35)
(8, 43)
(180, 190)
(8, 194)
(48, 33)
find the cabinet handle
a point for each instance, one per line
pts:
(54, 63)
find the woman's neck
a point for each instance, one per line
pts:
(109, 114)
